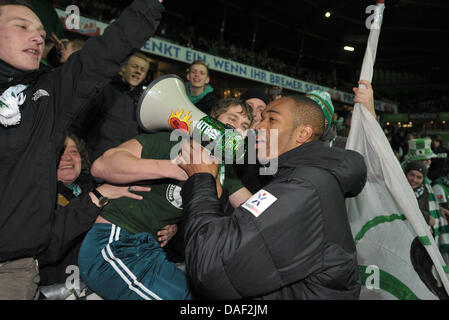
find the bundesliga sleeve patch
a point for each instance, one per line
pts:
(259, 202)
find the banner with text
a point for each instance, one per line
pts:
(167, 49)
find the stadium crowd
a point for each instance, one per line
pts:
(83, 185)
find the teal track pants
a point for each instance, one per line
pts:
(118, 265)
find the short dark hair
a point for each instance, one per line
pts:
(15, 3)
(224, 104)
(308, 112)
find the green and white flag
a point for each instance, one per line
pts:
(385, 218)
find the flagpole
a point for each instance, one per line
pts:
(373, 40)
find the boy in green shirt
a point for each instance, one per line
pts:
(120, 257)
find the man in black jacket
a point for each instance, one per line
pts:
(290, 240)
(111, 117)
(36, 109)
(198, 89)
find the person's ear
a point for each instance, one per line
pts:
(303, 134)
(207, 80)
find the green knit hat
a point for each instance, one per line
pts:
(324, 100)
(419, 149)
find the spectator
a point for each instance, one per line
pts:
(276, 93)
(363, 95)
(347, 126)
(337, 120)
(323, 99)
(420, 150)
(439, 163)
(110, 118)
(32, 136)
(291, 240)
(200, 93)
(249, 172)
(415, 172)
(107, 256)
(258, 101)
(70, 47)
(440, 187)
(74, 198)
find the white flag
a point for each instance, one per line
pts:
(385, 218)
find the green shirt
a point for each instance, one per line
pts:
(163, 204)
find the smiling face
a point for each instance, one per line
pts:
(22, 37)
(198, 76)
(277, 130)
(288, 123)
(415, 178)
(69, 167)
(135, 71)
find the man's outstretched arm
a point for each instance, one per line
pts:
(124, 164)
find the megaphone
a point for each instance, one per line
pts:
(164, 105)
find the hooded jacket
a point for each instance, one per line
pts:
(205, 101)
(298, 245)
(29, 151)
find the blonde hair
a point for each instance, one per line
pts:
(140, 55)
(200, 62)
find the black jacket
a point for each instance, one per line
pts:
(110, 118)
(30, 150)
(207, 102)
(63, 252)
(301, 247)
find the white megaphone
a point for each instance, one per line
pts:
(164, 105)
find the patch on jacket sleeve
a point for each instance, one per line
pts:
(259, 202)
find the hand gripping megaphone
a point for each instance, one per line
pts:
(164, 105)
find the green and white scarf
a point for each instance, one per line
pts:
(10, 101)
(76, 189)
(419, 191)
(441, 227)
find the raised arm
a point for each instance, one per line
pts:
(364, 94)
(124, 164)
(87, 71)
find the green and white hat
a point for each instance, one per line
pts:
(324, 100)
(419, 149)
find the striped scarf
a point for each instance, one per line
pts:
(419, 191)
(441, 228)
